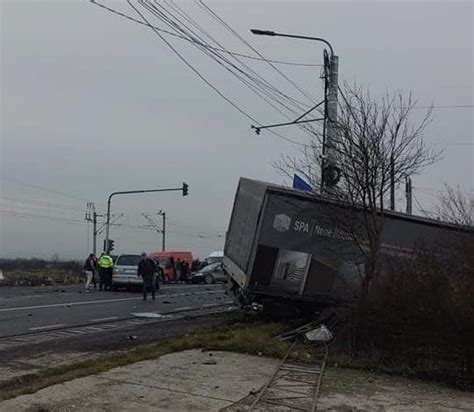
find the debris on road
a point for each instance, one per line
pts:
(209, 362)
(320, 334)
(133, 337)
(152, 315)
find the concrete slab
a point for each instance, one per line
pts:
(210, 381)
(181, 382)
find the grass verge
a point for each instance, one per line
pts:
(253, 339)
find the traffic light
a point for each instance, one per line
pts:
(185, 189)
(108, 247)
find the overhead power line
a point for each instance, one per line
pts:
(243, 55)
(204, 79)
(453, 106)
(253, 81)
(21, 214)
(238, 36)
(45, 189)
(41, 204)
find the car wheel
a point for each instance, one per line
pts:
(208, 279)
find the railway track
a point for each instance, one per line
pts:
(37, 337)
(294, 385)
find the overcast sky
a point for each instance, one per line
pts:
(92, 103)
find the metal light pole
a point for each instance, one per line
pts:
(330, 172)
(184, 189)
(163, 229)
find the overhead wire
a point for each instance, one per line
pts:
(205, 80)
(22, 214)
(42, 204)
(237, 35)
(254, 78)
(306, 127)
(243, 55)
(186, 16)
(253, 82)
(34, 186)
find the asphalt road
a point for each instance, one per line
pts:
(36, 309)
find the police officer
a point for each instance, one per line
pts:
(106, 265)
(146, 270)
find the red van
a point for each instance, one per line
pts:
(168, 260)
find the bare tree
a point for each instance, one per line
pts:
(456, 206)
(379, 143)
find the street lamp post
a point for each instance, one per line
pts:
(329, 171)
(184, 189)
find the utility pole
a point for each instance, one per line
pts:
(330, 171)
(157, 228)
(409, 194)
(94, 233)
(91, 216)
(163, 230)
(392, 183)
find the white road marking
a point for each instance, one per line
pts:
(59, 325)
(104, 319)
(184, 308)
(57, 305)
(92, 302)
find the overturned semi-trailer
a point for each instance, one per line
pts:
(287, 244)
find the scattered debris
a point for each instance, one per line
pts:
(132, 337)
(69, 305)
(320, 334)
(298, 331)
(167, 301)
(30, 314)
(257, 307)
(152, 315)
(209, 362)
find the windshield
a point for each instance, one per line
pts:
(164, 261)
(215, 259)
(210, 268)
(128, 260)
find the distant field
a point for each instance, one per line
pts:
(31, 272)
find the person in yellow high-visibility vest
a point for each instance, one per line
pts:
(106, 264)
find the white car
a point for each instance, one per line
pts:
(126, 270)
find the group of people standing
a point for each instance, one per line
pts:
(103, 268)
(147, 270)
(182, 270)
